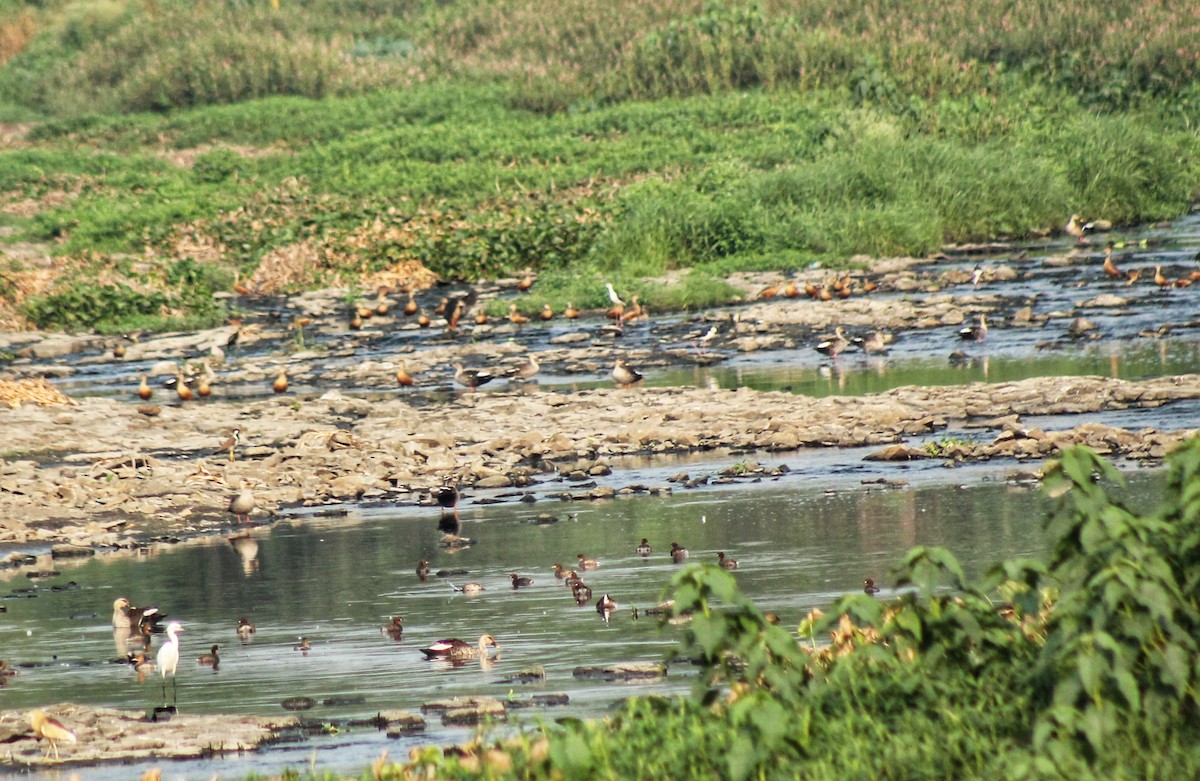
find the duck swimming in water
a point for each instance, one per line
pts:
(454, 648)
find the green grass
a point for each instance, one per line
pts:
(641, 141)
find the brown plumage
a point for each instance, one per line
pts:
(182, 389)
(51, 729)
(547, 313)
(516, 317)
(1159, 278)
(525, 283)
(1110, 268)
(281, 382)
(410, 306)
(455, 316)
(423, 320)
(570, 312)
(403, 377)
(144, 390)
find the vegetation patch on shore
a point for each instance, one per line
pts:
(683, 141)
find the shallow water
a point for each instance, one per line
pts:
(802, 540)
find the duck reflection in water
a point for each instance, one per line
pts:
(246, 547)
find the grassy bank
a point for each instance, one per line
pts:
(614, 142)
(1085, 666)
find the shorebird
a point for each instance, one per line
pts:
(230, 444)
(281, 382)
(472, 378)
(51, 729)
(726, 563)
(454, 648)
(168, 657)
(243, 504)
(623, 375)
(210, 659)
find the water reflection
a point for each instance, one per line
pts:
(319, 590)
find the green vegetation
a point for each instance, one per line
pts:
(1087, 668)
(679, 140)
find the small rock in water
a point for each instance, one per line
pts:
(298, 703)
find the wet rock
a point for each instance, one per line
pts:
(629, 672)
(69, 551)
(109, 735)
(897, 453)
(298, 703)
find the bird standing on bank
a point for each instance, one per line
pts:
(243, 504)
(168, 658)
(623, 375)
(51, 729)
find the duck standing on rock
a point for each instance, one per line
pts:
(623, 375)
(456, 649)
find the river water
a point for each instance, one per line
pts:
(802, 539)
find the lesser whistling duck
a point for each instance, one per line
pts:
(769, 292)
(518, 581)
(790, 290)
(410, 306)
(210, 659)
(869, 586)
(204, 386)
(356, 322)
(526, 282)
(570, 312)
(586, 563)
(455, 315)
(403, 377)
(182, 390)
(51, 729)
(1159, 278)
(423, 320)
(643, 549)
(678, 552)
(515, 317)
(382, 306)
(617, 311)
(472, 378)
(1110, 268)
(623, 374)
(281, 382)
(726, 563)
(1131, 276)
(547, 313)
(481, 317)
(633, 312)
(443, 305)
(453, 648)
(144, 390)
